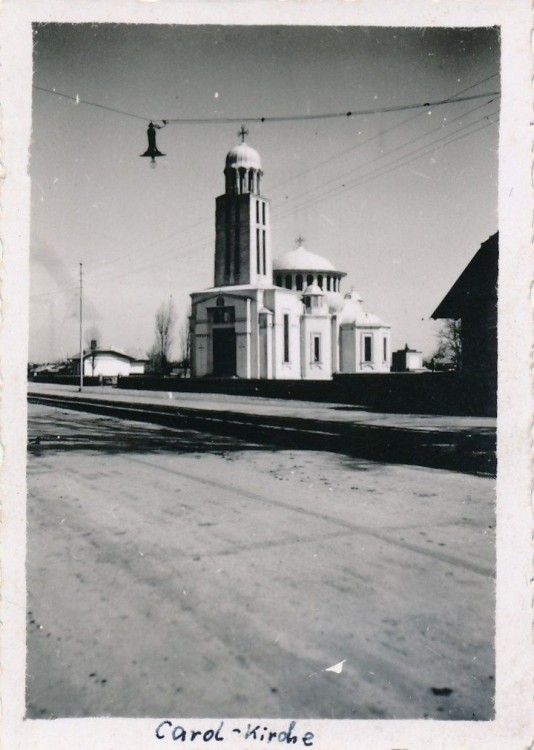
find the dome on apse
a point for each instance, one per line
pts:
(335, 301)
(352, 313)
(243, 156)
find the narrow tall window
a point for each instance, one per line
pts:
(299, 281)
(309, 279)
(367, 349)
(316, 348)
(258, 251)
(263, 212)
(286, 338)
(288, 281)
(264, 252)
(320, 280)
(385, 349)
(227, 256)
(257, 212)
(328, 283)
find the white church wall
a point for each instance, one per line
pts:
(347, 344)
(316, 340)
(284, 302)
(357, 356)
(245, 342)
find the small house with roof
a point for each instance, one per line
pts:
(108, 363)
(282, 319)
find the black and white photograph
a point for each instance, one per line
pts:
(263, 327)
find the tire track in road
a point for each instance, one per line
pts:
(478, 569)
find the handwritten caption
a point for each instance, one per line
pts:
(167, 730)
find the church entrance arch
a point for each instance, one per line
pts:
(224, 352)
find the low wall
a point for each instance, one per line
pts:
(65, 379)
(409, 393)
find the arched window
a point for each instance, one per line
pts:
(328, 280)
(250, 181)
(309, 279)
(299, 282)
(288, 281)
(320, 280)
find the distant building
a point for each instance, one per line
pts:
(406, 360)
(108, 363)
(473, 300)
(281, 320)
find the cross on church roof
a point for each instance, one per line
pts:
(300, 240)
(243, 132)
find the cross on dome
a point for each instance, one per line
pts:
(300, 240)
(242, 132)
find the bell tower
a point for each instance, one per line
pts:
(242, 234)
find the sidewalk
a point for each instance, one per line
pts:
(465, 444)
(267, 407)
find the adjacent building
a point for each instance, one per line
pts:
(473, 300)
(406, 360)
(281, 319)
(108, 363)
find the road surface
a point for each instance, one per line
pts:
(177, 574)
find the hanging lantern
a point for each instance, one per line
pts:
(152, 150)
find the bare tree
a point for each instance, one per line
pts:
(164, 325)
(449, 351)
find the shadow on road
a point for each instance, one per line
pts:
(468, 451)
(112, 436)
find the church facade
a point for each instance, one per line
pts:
(281, 319)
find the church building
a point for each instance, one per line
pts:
(281, 319)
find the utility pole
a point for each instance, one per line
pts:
(81, 328)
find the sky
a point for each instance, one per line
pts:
(400, 201)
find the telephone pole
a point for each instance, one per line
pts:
(81, 328)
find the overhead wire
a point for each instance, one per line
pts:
(381, 171)
(377, 135)
(405, 159)
(387, 168)
(453, 99)
(402, 146)
(268, 118)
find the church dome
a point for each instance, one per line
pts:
(243, 156)
(352, 313)
(334, 301)
(301, 259)
(313, 289)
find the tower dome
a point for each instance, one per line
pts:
(242, 169)
(243, 156)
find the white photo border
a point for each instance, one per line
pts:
(513, 726)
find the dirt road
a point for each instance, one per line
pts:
(178, 574)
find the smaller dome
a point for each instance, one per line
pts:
(352, 313)
(334, 301)
(243, 156)
(354, 296)
(313, 290)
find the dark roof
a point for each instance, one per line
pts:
(477, 282)
(90, 352)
